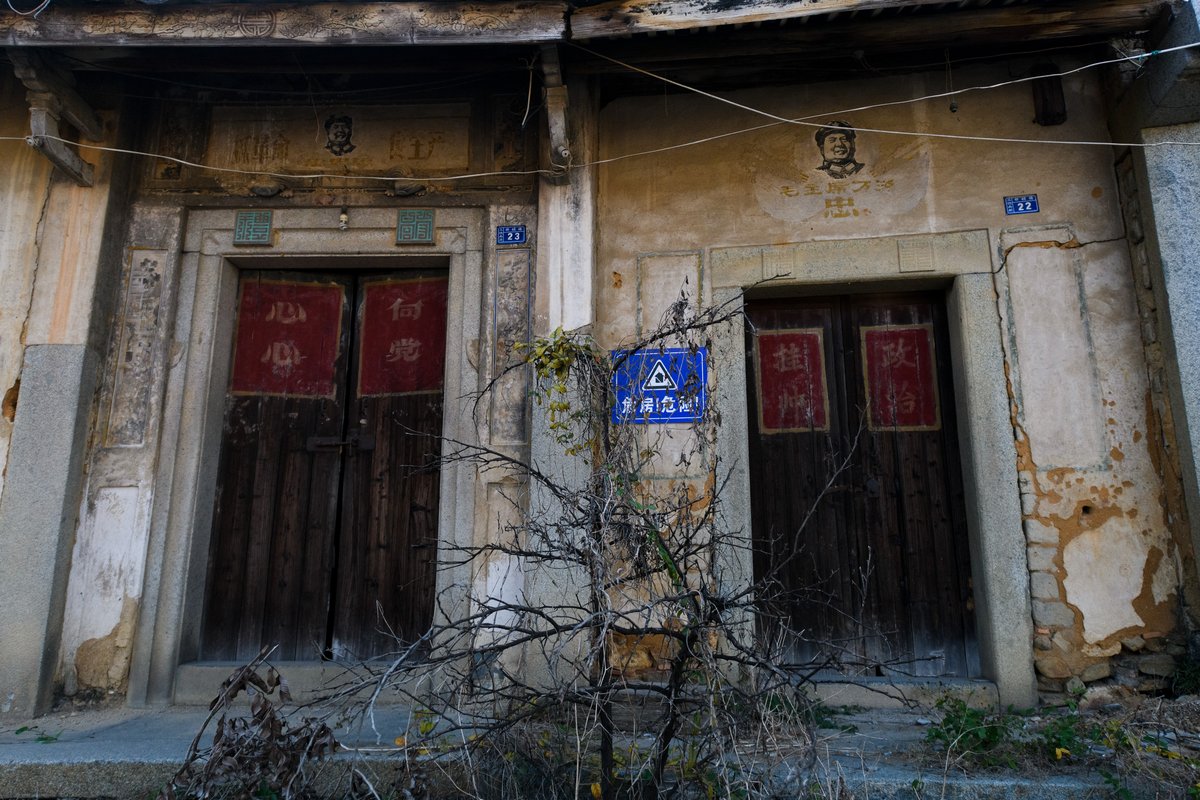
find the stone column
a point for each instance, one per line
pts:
(76, 268)
(1169, 180)
(1161, 106)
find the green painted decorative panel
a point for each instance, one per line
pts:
(252, 228)
(415, 226)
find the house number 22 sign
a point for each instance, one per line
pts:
(1021, 204)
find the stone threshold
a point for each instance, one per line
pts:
(196, 684)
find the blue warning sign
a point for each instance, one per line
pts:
(659, 385)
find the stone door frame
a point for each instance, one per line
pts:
(962, 261)
(189, 445)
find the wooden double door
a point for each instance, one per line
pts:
(860, 536)
(324, 537)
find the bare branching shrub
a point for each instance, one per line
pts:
(616, 642)
(609, 638)
(260, 755)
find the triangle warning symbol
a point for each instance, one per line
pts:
(659, 378)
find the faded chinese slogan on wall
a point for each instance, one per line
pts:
(831, 174)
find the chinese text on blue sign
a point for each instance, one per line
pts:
(1021, 204)
(510, 234)
(659, 385)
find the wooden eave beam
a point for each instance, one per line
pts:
(558, 158)
(258, 25)
(52, 98)
(42, 76)
(626, 17)
(1093, 19)
(621, 18)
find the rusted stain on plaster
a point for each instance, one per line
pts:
(103, 662)
(647, 656)
(8, 408)
(1160, 429)
(1100, 506)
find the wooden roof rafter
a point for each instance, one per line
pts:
(994, 25)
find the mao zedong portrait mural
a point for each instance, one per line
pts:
(338, 130)
(836, 143)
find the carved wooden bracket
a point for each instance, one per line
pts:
(52, 97)
(556, 115)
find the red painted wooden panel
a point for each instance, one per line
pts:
(287, 338)
(403, 337)
(901, 377)
(792, 392)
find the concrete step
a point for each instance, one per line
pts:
(130, 753)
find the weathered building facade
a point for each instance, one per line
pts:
(295, 243)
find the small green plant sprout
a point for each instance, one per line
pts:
(1117, 786)
(40, 736)
(823, 716)
(981, 735)
(1069, 735)
(425, 721)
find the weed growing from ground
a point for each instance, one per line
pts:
(1141, 752)
(978, 735)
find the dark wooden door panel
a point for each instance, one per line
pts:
(276, 500)
(325, 528)
(388, 538)
(388, 548)
(859, 523)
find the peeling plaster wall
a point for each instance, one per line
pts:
(112, 640)
(57, 256)
(1103, 566)
(108, 561)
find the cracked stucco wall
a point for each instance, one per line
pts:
(1104, 568)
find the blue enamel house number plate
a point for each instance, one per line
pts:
(660, 385)
(510, 234)
(1021, 204)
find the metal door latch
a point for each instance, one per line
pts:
(354, 439)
